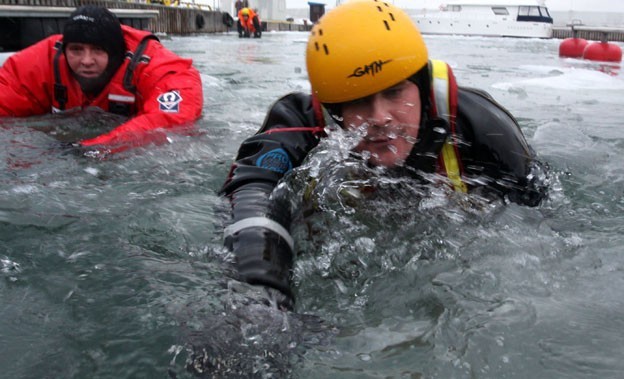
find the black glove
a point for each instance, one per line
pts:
(75, 148)
(72, 148)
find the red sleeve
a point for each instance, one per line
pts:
(169, 93)
(25, 81)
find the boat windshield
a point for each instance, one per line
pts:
(544, 11)
(534, 14)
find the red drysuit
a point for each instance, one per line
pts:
(154, 87)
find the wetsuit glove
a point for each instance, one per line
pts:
(245, 293)
(77, 149)
(263, 258)
(71, 148)
(536, 188)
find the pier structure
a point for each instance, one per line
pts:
(24, 22)
(593, 33)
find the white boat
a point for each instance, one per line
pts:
(519, 18)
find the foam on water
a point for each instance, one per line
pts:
(590, 81)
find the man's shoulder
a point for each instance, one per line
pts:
(478, 101)
(49, 42)
(295, 98)
(292, 110)
(292, 103)
(133, 36)
(474, 92)
(44, 48)
(479, 112)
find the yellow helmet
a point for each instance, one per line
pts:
(245, 11)
(360, 48)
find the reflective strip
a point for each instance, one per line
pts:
(441, 89)
(441, 92)
(262, 222)
(122, 98)
(452, 167)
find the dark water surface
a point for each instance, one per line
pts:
(114, 268)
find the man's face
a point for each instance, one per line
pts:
(390, 121)
(86, 60)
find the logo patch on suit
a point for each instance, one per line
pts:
(275, 160)
(170, 102)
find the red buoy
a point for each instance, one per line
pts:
(603, 51)
(572, 47)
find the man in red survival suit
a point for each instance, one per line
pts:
(248, 24)
(97, 62)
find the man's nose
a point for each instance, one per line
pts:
(378, 115)
(88, 57)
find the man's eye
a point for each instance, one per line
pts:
(358, 101)
(393, 92)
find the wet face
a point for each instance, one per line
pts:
(86, 60)
(389, 120)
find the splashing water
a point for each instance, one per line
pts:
(115, 268)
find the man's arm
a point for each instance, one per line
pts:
(24, 79)
(259, 235)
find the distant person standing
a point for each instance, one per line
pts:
(248, 24)
(240, 4)
(97, 62)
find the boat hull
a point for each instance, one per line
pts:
(494, 28)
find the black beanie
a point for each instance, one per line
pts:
(97, 26)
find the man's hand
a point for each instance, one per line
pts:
(248, 293)
(77, 149)
(71, 148)
(277, 299)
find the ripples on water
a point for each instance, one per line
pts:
(114, 268)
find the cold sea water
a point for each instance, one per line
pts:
(115, 268)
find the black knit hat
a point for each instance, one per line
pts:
(100, 27)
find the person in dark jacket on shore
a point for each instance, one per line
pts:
(370, 72)
(97, 62)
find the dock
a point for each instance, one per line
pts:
(590, 33)
(23, 22)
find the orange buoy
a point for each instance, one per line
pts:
(603, 51)
(572, 47)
